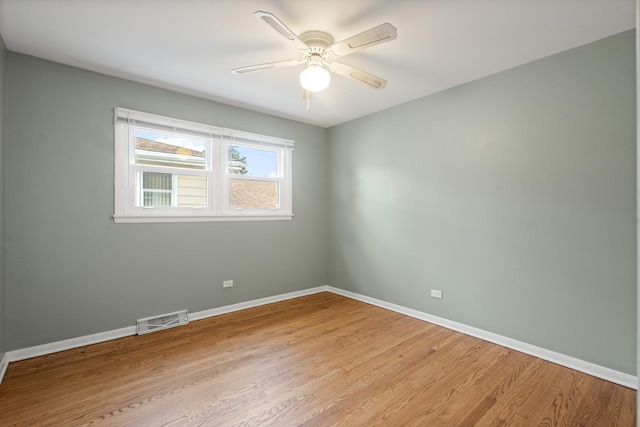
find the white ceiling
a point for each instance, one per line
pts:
(190, 46)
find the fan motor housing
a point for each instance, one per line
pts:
(318, 42)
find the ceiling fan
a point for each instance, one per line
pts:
(317, 50)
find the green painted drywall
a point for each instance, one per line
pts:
(3, 54)
(71, 271)
(514, 195)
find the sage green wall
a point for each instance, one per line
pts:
(71, 271)
(514, 195)
(3, 54)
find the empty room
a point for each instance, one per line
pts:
(318, 213)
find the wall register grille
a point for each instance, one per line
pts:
(164, 321)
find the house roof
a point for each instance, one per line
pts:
(162, 147)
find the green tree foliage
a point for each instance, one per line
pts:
(237, 163)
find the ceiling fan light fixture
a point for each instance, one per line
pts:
(315, 78)
(315, 48)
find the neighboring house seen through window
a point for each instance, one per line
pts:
(156, 189)
(173, 170)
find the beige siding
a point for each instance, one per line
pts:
(192, 190)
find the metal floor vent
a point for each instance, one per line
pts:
(164, 321)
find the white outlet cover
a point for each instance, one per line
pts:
(227, 283)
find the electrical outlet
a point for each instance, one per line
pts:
(227, 283)
(436, 294)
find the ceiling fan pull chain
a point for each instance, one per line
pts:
(308, 101)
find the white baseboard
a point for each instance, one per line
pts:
(4, 364)
(254, 303)
(54, 347)
(608, 374)
(41, 350)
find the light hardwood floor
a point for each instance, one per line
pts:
(319, 360)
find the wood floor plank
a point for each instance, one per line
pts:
(621, 408)
(430, 398)
(565, 394)
(319, 360)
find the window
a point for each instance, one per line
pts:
(156, 189)
(172, 170)
(253, 178)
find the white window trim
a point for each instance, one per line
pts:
(218, 140)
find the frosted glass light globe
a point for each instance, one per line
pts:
(315, 78)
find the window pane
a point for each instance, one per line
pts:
(250, 194)
(167, 190)
(252, 161)
(159, 149)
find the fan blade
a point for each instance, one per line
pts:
(267, 66)
(358, 75)
(376, 35)
(282, 29)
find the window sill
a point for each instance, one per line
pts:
(200, 218)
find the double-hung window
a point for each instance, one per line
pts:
(177, 171)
